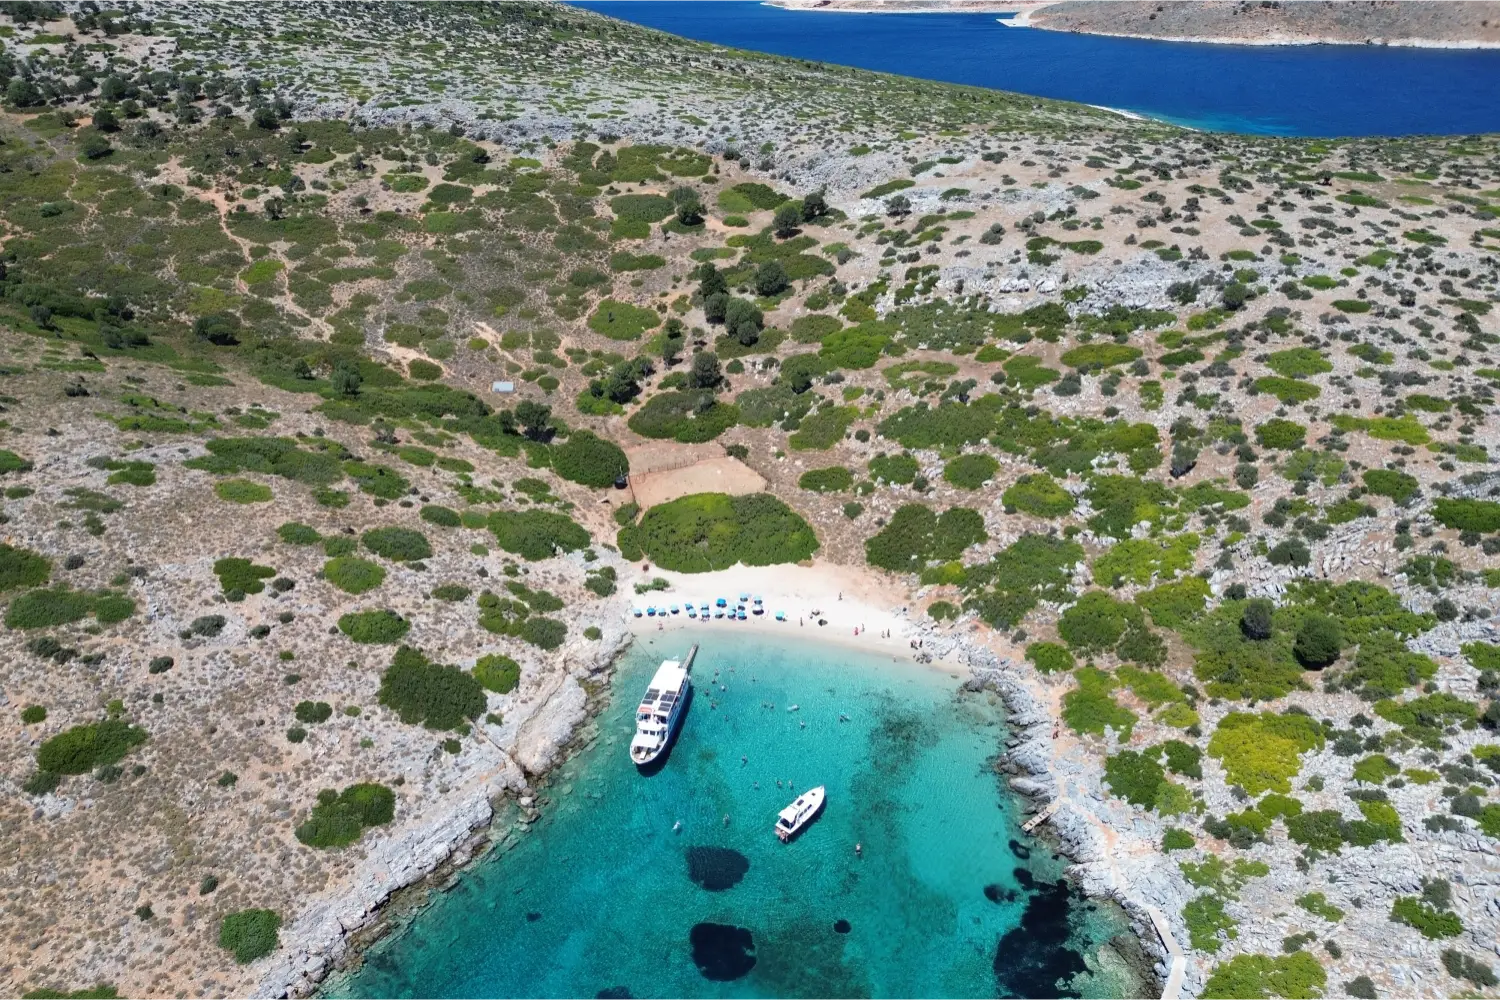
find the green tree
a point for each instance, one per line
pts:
(788, 218)
(705, 372)
(346, 379)
(1255, 620)
(534, 418)
(770, 278)
(1318, 641)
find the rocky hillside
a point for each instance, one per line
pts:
(1440, 23)
(295, 596)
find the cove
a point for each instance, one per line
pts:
(1292, 90)
(603, 898)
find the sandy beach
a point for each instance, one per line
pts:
(861, 610)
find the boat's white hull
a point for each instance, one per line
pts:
(804, 809)
(645, 758)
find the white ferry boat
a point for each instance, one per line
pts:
(800, 813)
(660, 711)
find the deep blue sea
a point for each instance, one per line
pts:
(603, 897)
(1305, 90)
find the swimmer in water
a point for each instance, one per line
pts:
(859, 850)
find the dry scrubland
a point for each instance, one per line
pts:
(1201, 423)
(1351, 22)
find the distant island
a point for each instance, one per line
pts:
(1436, 24)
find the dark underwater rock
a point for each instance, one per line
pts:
(841, 926)
(716, 868)
(1035, 958)
(997, 893)
(615, 993)
(722, 952)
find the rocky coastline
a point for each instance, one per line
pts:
(331, 933)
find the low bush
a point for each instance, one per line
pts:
(313, 712)
(429, 694)
(82, 748)
(340, 818)
(379, 626)
(249, 934)
(1280, 435)
(397, 544)
(711, 531)
(1398, 486)
(536, 534)
(834, 479)
(298, 534)
(1039, 494)
(498, 673)
(1297, 976)
(1134, 777)
(900, 469)
(22, 568)
(62, 606)
(1262, 752)
(1096, 622)
(1467, 515)
(690, 416)
(443, 517)
(590, 460)
(1049, 657)
(1090, 708)
(1431, 923)
(916, 535)
(242, 575)
(970, 472)
(242, 491)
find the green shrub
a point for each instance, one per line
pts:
(33, 714)
(590, 460)
(1287, 390)
(353, 575)
(313, 712)
(242, 575)
(1039, 494)
(1467, 515)
(1032, 568)
(249, 934)
(823, 429)
(1090, 709)
(443, 517)
(690, 416)
(1262, 753)
(970, 472)
(1183, 758)
(813, 328)
(711, 531)
(1431, 923)
(340, 817)
(397, 544)
(536, 534)
(82, 748)
(1205, 919)
(1399, 486)
(423, 371)
(377, 626)
(62, 606)
(1280, 435)
(900, 469)
(1317, 904)
(298, 534)
(1096, 622)
(1151, 687)
(242, 491)
(622, 321)
(1375, 769)
(1098, 356)
(1298, 362)
(451, 592)
(1176, 839)
(11, 462)
(1049, 657)
(22, 568)
(916, 535)
(425, 693)
(834, 479)
(1318, 641)
(378, 481)
(1140, 560)
(1297, 976)
(498, 673)
(1173, 605)
(1134, 777)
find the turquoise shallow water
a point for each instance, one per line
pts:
(603, 897)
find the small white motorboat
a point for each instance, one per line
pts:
(791, 820)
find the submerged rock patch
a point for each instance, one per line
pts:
(722, 952)
(1036, 958)
(841, 926)
(997, 893)
(716, 868)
